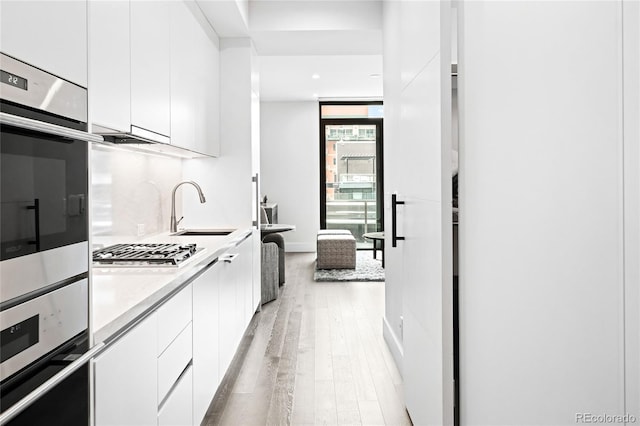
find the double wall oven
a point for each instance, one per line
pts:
(44, 252)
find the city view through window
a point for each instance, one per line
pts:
(351, 173)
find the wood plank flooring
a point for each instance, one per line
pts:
(314, 356)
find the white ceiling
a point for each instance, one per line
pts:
(286, 78)
(341, 41)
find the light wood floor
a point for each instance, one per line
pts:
(314, 356)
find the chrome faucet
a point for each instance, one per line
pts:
(174, 222)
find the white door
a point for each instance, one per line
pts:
(420, 266)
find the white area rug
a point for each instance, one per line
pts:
(367, 269)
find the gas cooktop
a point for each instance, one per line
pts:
(145, 254)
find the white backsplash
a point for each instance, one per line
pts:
(131, 192)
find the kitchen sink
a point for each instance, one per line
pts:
(204, 232)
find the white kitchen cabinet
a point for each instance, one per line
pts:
(167, 369)
(206, 377)
(208, 95)
(256, 270)
(150, 66)
(48, 35)
(173, 361)
(130, 65)
(173, 317)
(126, 378)
(227, 285)
(245, 270)
(183, 84)
(229, 315)
(110, 64)
(177, 409)
(236, 294)
(194, 81)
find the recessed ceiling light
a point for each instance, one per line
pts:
(315, 76)
(315, 95)
(375, 75)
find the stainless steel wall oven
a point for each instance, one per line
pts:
(44, 255)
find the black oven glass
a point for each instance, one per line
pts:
(18, 337)
(43, 192)
(66, 403)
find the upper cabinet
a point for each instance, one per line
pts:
(110, 64)
(129, 67)
(195, 79)
(154, 72)
(151, 66)
(48, 35)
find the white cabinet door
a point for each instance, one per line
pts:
(177, 409)
(126, 379)
(257, 265)
(246, 272)
(195, 96)
(151, 66)
(51, 35)
(184, 58)
(236, 294)
(207, 100)
(229, 314)
(109, 64)
(206, 377)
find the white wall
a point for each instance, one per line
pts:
(541, 212)
(290, 167)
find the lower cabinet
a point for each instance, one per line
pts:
(126, 378)
(206, 377)
(236, 299)
(228, 286)
(167, 369)
(177, 408)
(145, 377)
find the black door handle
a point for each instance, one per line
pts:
(394, 232)
(36, 209)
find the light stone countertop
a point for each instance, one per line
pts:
(121, 296)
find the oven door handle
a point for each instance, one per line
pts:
(36, 209)
(32, 397)
(40, 126)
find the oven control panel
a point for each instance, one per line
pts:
(34, 328)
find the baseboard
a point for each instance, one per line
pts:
(300, 247)
(393, 344)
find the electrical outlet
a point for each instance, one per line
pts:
(140, 228)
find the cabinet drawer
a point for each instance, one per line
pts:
(173, 361)
(178, 409)
(173, 317)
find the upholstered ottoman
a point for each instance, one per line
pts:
(334, 232)
(336, 251)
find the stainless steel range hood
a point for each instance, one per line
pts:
(137, 135)
(143, 140)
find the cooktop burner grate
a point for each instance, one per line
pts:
(147, 254)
